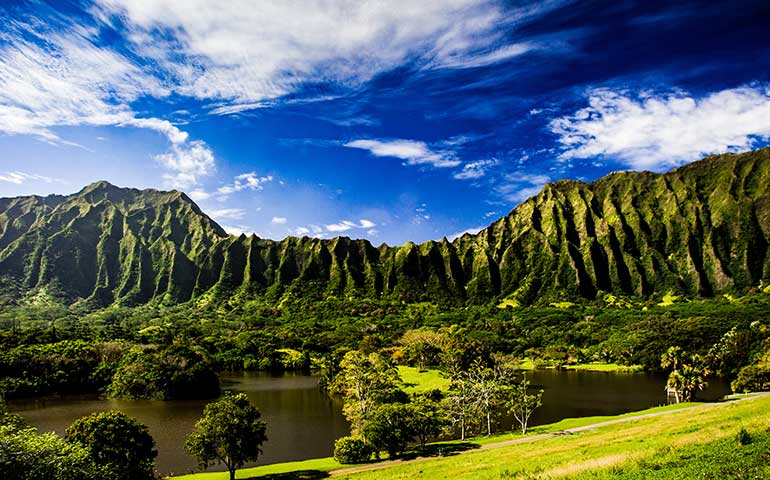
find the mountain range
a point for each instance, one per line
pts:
(698, 230)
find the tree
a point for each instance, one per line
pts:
(230, 432)
(423, 345)
(687, 375)
(458, 405)
(428, 420)
(118, 442)
(521, 404)
(391, 427)
(365, 381)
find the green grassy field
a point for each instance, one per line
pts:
(697, 442)
(692, 441)
(419, 382)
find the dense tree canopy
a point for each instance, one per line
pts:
(117, 442)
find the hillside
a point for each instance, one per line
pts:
(701, 229)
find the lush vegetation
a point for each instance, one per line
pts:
(130, 351)
(104, 446)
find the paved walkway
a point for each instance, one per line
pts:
(535, 438)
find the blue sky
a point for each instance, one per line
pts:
(392, 121)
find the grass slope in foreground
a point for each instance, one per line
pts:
(692, 441)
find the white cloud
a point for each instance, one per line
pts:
(279, 220)
(50, 79)
(245, 181)
(651, 131)
(67, 81)
(301, 231)
(477, 169)
(470, 231)
(199, 194)
(482, 59)
(281, 45)
(367, 223)
(412, 151)
(228, 214)
(20, 178)
(186, 163)
(518, 187)
(345, 225)
(239, 229)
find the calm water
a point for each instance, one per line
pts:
(303, 422)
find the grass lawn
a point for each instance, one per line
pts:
(265, 471)
(419, 382)
(635, 446)
(605, 367)
(696, 442)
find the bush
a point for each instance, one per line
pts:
(743, 437)
(351, 450)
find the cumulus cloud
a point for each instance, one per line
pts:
(657, 131)
(477, 169)
(246, 181)
(413, 152)
(279, 220)
(345, 225)
(20, 178)
(187, 164)
(517, 187)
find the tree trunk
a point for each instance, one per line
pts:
(232, 474)
(462, 429)
(489, 423)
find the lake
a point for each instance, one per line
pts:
(303, 422)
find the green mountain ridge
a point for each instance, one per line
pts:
(701, 229)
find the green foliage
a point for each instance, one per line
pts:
(365, 381)
(752, 378)
(27, 455)
(230, 432)
(117, 442)
(390, 427)
(349, 450)
(177, 372)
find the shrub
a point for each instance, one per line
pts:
(743, 437)
(351, 450)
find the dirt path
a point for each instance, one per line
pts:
(534, 438)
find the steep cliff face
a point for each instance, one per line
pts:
(699, 230)
(105, 244)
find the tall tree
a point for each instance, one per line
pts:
(364, 381)
(521, 404)
(230, 433)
